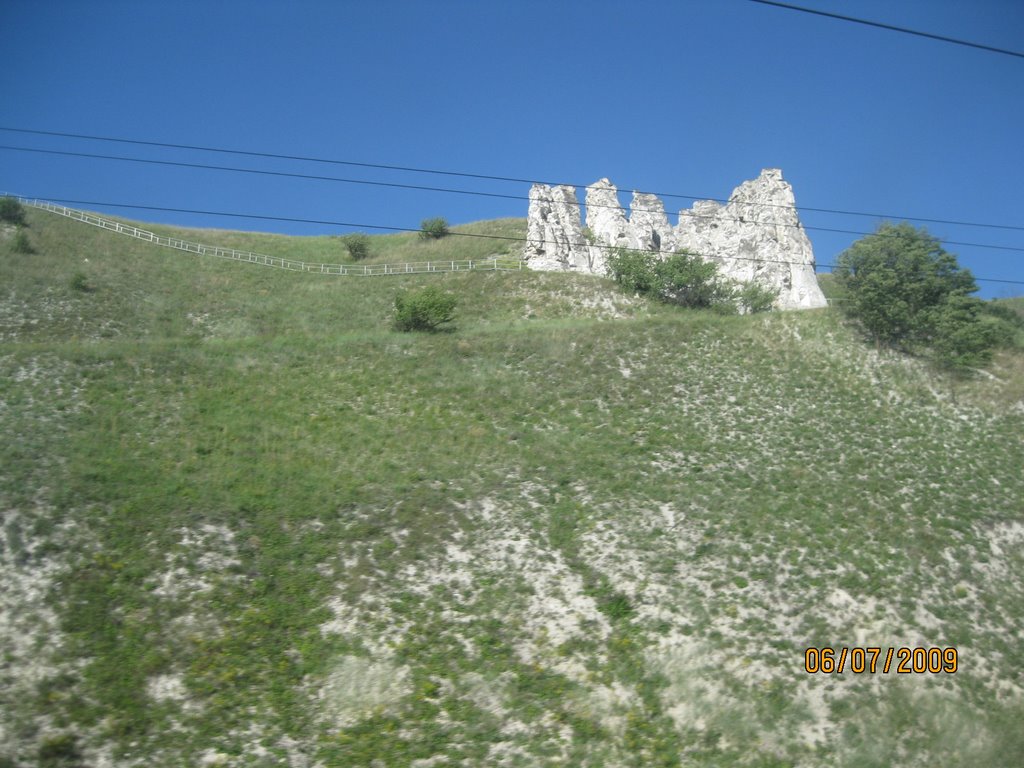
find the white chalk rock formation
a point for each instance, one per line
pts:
(756, 236)
(649, 223)
(607, 223)
(554, 236)
(606, 218)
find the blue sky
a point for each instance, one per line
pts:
(689, 97)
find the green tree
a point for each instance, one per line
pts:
(425, 310)
(433, 229)
(907, 292)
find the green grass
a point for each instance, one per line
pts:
(580, 530)
(479, 240)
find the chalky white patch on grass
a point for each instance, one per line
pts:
(489, 695)
(36, 545)
(577, 296)
(169, 687)
(30, 635)
(611, 704)
(505, 553)
(358, 687)
(760, 629)
(204, 556)
(555, 610)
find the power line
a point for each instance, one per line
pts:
(286, 174)
(410, 169)
(204, 166)
(506, 238)
(880, 25)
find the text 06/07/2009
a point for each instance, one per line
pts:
(872, 660)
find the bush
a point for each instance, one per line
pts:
(683, 278)
(21, 243)
(633, 270)
(755, 297)
(961, 336)
(433, 229)
(11, 211)
(59, 751)
(688, 280)
(907, 292)
(358, 245)
(424, 310)
(1008, 323)
(79, 282)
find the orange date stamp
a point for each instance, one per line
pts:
(902, 661)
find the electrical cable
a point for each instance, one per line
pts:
(410, 169)
(327, 222)
(880, 25)
(203, 166)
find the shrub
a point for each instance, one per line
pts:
(688, 280)
(961, 336)
(633, 270)
(755, 297)
(358, 245)
(21, 243)
(424, 310)
(433, 229)
(79, 282)
(1008, 323)
(11, 211)
(59, 751)
(682, 278)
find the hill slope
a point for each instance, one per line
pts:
(244, 523)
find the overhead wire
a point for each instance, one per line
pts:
(353, 225)
(286, 174)
(479, 176)
(890, 27)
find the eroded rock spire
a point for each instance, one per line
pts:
(756, 236)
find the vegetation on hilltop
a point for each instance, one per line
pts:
(906, 291)
(358, 245)
(478, 240)
(434, 229)
(686, 280)
(246, 523)
(11, 211)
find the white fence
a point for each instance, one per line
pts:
(493, 263)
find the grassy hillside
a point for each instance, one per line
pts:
(247, 524)
(471, 241)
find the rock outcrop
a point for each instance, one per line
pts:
(756, 236)
(554, 238)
